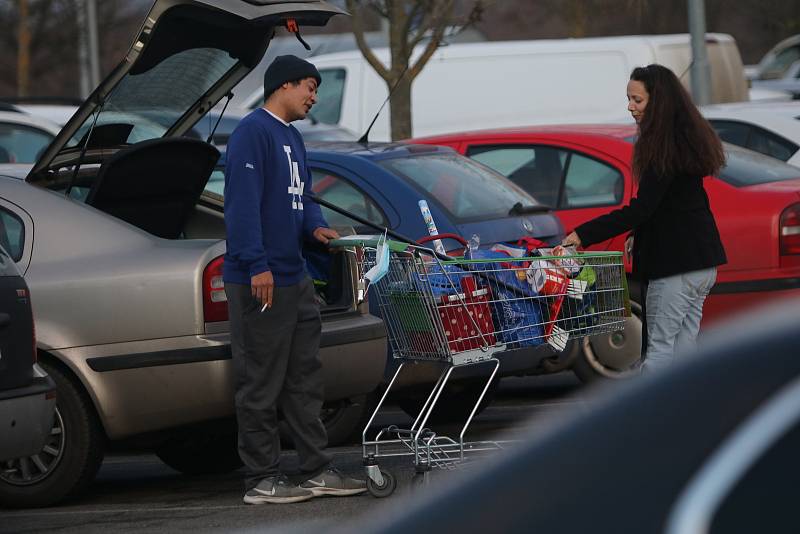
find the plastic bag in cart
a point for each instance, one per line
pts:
(516, 307)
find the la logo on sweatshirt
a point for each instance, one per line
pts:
(296, 185)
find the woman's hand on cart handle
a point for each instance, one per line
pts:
(572, 239)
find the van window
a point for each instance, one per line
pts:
(328, 109)
(536, 169)
(340, 192)
(12, 234)
(591, 183)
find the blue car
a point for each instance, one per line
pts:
(383, 183)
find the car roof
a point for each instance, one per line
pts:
(617, 131)
(783, 109)
(374, 151)
(29, 120)
(781, 119)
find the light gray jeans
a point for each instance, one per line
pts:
(674, 307)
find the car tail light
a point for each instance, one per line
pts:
(790, 230)
(33, 332)
(215, 302)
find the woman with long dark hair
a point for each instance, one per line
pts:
(676, 244)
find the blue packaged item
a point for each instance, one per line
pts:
(516, 308)
(443, 280)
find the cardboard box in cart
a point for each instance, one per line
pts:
(474, 86)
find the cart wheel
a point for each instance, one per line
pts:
(385, 489)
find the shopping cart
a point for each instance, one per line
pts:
(464, 312)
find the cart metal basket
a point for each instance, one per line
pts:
(467, 311)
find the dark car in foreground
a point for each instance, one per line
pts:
(27, 394)
(707, 447)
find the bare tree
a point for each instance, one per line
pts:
(410, 23)
(43, 33)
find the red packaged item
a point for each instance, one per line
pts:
(460, 314)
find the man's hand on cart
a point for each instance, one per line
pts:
(572, 239)
(261, 286)
(323, 235)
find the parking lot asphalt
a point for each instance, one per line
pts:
(138, 493)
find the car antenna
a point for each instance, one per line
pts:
(364, 139)
(214, 129)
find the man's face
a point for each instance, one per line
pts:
(300, 98)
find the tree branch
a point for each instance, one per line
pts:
(366, 51)
(433, 44)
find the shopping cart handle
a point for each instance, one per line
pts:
(382, 229)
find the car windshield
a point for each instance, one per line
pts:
(146, 104)
(464, 188)
(745, 167)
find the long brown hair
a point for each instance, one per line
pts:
(673, 137)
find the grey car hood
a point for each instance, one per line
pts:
(187, 56)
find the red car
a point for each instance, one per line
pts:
(585, 171)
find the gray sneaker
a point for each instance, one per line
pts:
(332, 482)
(276, 490)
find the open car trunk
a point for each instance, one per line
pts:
(187, 56)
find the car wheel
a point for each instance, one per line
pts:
(612, 356)
(344, 420)
(69, 460)
(454, 404)
(201, 453)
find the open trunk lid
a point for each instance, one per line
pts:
(187, 56)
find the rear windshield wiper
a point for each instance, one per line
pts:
(519, 209)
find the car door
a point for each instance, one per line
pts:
(343, 189)
(578, 183)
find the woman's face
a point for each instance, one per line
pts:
(637, 99)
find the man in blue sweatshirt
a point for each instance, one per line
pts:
(274, 315)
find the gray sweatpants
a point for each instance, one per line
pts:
(276, 365)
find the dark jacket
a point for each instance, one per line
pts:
(674, 229)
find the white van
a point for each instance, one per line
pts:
(513, 83)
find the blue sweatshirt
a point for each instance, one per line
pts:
(266, 216)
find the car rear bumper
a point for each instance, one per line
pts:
(732, 298)
(26, 417)
(156, 384)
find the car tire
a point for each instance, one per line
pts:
(70, 459)
(201, 452)
(454, 404)
(344, 420)
(612, 356)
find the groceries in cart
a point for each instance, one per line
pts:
(505, 297)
